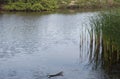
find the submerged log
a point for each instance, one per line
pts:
(57, 74)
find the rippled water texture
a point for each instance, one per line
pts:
(33, 46)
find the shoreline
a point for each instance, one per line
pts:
(76, 7)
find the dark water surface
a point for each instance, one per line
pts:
(34, 45)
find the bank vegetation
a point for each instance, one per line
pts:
(49, 5)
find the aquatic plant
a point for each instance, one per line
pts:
(107, 41)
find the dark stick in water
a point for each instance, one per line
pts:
(54, 75)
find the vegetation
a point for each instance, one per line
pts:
(88, 3)
(108, 25)
(30, 5)
(46, 5)
(111, 41)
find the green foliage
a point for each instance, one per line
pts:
(17, 6)
(117, 0)
(107, 24)
(111, 26)
(37, 7)
(49, 4)
(91, 3)
(31, 5)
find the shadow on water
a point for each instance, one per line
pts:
(105, 43)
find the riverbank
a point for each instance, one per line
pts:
(22, 6)
(91, 4)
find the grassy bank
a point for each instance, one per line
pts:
(30, 5)
(73, 4)
(49, 5)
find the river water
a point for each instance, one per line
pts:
(33, 46)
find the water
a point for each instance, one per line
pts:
(33, 46)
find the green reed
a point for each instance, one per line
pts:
(106, 26)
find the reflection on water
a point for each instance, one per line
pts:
(106, 27)
(33, 46)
